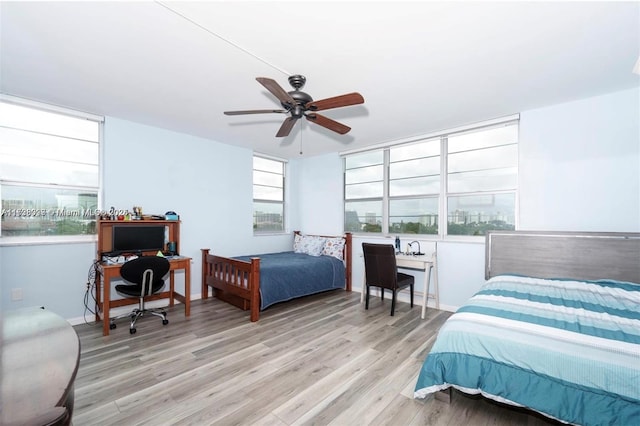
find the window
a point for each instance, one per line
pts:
(456, 183)
(482, 178)
(49, 170)
(364, 190)
(414, 187)
(268, 195)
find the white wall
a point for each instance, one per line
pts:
(579, 165)
(320, 185)
(579, 170)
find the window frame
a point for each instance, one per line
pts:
(443, 195)
(98, 189)
(282, 202)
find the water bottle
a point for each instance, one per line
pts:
(398, 249)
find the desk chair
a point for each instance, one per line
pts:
(146, 275)
(381, 271)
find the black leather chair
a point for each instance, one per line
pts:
(381, 271)
(146, 277)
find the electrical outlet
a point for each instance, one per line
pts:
(16, 294)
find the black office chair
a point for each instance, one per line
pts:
(381, 271)
(146, 275)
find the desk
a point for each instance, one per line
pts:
(107, 272)
(40, 357)
(424, 263)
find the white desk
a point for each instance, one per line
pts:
(424, 263)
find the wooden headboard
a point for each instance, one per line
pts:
(577, 255)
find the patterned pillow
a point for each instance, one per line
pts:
(308, 244)
(334, 247)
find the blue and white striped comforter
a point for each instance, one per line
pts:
(567, 349)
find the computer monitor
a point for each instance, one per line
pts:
(138, 238)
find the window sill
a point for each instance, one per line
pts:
(270, 233)
(477, 239)
(54, 239)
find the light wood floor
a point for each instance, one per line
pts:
(319, 360)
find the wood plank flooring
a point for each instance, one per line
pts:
(319, 360)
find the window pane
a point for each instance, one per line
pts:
(268, 179)
(364, 159)
(418, 167)
(413, 216)
(15, 168)
(486, 180)
(364, 174)
(267, 193)
(496, 136)
(36, 145)
(363, 216)
(267, 165)
(268, 217)
(35, 120)
(476, 214)
(415, 169)
(484, 159)
(33, 211)
(416, 186)
(428, 148)
(364, 190)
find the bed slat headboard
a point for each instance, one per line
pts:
(577, 255)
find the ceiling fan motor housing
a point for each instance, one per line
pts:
(301, 98)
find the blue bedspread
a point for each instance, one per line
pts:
(287, 275)
(567, 349)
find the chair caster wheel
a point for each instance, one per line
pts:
(132, 331)
(112, 326)
(165, 322)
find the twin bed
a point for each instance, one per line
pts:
(555, 328)
(317, 263)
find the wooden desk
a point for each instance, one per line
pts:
(107, 272)
(40, 356)
(424, 263)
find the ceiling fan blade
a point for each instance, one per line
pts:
(335, 102)
(328, 123)
(255, 111)
(286, 127)
(277, 91)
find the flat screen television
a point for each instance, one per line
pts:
(137, 238)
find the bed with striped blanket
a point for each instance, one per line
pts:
(569, 349)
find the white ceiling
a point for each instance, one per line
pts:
(421, 66)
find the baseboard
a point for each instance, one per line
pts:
(404, 296)
(122, 310)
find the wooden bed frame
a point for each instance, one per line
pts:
(556, 254)
(238, 282)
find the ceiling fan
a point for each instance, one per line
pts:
(299, 104)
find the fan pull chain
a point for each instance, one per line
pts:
(300, 137)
